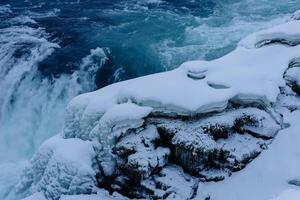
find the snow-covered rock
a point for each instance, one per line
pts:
(224, 142)
(142, 155)
(61, 166)
(171, 183)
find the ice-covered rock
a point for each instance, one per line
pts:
(224, 142)
(61, 166)
(141, 155)
(171, 183)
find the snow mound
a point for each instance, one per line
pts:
(60, 166)
(287, 33)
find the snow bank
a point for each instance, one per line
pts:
(287, 33)
(290, 194)
(60, 166)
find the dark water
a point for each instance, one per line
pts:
(53, 50)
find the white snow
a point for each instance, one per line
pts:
(101, 195)
(288, 31)
(289, 194)
(60, 166)
(36, 196)
(123, 112)
(268, 174)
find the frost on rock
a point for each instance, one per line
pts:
(158, 136)
(171, 183)
(141, 155)
(61, 166)
(224, 142)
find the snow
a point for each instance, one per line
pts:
(101, 195)
(289, 194)
(268, 174)
(288, 31)
(122, 112)
(60, 166)
(36, 196)
(174, 182)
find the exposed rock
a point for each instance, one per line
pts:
(295, 182)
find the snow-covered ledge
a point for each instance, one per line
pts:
(195, 124)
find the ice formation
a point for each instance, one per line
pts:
(182, 134)
(61, 166)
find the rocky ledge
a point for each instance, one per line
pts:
(160, 136)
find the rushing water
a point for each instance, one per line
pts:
(51, 51)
